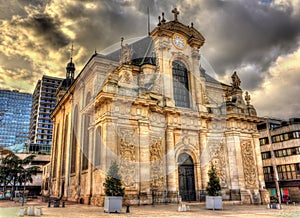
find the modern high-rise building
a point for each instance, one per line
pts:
(14, 117)
(280, 150)
(43, 102)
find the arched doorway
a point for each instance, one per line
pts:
(186, 177)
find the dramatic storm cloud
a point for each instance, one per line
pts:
(259, 39)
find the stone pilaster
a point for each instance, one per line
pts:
(235, 162)
(198, 179)
(171, 162)
(144, 157)
(259, 165)
(203, 158)
(110, 142)
(90, 164)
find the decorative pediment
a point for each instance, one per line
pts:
(194, 37)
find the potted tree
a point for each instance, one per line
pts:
(213, 198)
(114, 191)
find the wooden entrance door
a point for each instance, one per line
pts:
(186, 178)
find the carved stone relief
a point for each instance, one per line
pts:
(217, 155)
(157, 119)
(128, 158)
(126, 79)
(248, 164)
(156, 164)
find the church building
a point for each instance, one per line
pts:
(151, 106)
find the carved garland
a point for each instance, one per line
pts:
(249, 164)
(217, 155)
(156, 163)
(127, 166)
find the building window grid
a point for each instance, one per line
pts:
(285, 172)
(286, 136)
(287, 152)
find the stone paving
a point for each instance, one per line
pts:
(10, 209)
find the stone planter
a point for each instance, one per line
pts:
(214, 202)
(113, 204)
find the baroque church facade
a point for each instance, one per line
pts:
(150, 106)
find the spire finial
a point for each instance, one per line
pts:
(70, 66)
(71, 52)
(163, 20)
(176, 13)
(159, 21)
(122, 39)
(148, 24)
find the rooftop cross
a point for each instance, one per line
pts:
(175, 12)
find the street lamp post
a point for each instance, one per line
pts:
(273, 163)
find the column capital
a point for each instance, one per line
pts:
(255, 135)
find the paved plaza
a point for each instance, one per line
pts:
(10, 209)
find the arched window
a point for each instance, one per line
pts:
(97, 154)
(86, 139)
(64, 147)
(180, 84)
(74, 140)
(55, 157)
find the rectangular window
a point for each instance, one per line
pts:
(268, 173)
(287, 172)
(266, 155)
(296, 135)
(263, 141)
(286, 136)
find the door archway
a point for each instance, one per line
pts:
(186, 177)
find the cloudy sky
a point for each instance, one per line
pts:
(260, 39)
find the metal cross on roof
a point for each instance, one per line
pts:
(175, 12)
(71, 51)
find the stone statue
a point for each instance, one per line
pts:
(247, 98)
(236, 82)
(126, 53)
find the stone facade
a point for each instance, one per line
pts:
(124, 106)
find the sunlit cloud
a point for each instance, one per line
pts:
(279, 96)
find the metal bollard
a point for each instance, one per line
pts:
(21, 212)
(56, 204)
(127, 208)
(38, 211)
(49, 203)
(63, 204)
(31, 211)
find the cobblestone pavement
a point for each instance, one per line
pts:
(10, 209)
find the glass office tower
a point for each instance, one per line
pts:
(15, 110)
